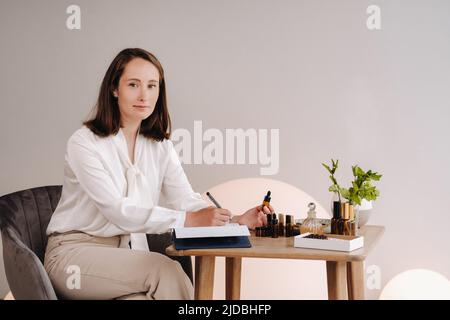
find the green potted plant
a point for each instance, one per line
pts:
(361, 193)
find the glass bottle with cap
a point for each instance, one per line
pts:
(344, 222)
(352, 222)
(281, 224)
(336, 217)
(311, 223)
(288, 226)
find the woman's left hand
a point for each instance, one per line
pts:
(255, 217)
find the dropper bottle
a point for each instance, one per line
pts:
(267, 198)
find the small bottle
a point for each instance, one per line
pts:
(297, 227)
(268, 228)
(352, 222)
(336, 217)
(343, 224)
(311, 223)
(295, 230)
(281, 225)
(288, 227)
(266, 201)
(275, 228)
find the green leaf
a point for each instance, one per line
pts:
(326, 167)
(356, 199)
(333, 188)
(345, 193)
(359, 171)
(376, 177)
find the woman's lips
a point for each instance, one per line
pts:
(141, 107)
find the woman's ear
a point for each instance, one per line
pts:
(115, 93)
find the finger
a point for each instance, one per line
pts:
(260, 221)
(263, 218)
(271, 209)
(266, 210)
(218, 222)
(224, 212)
(223, 217)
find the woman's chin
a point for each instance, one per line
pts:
(142, 115)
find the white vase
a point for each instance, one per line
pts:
(362, 212)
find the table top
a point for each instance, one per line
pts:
(283, 248)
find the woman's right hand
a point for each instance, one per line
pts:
(210, 216)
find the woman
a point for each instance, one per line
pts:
(117, 167)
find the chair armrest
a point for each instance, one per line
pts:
(25, 273)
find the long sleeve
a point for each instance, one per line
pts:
(176, 188)
(121, 211)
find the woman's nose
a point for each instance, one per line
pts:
(143, 96)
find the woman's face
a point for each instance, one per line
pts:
(138, 91)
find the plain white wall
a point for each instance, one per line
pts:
(309, 68)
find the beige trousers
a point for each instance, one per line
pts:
(82, 266)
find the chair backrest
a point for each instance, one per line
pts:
(28, 213)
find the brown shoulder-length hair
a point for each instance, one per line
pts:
(107, 115)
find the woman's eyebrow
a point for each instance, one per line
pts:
(135, 79)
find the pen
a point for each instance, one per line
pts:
(213, 200)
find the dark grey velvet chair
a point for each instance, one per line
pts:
(24, 216)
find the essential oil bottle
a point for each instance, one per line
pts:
(266, 200)
(296, 229)
(288, 228)
(281, 225)
(275, 229)
(336, 217)
(352, 223)
(268, 228)
(343, 225)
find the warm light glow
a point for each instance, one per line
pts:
(417, 284)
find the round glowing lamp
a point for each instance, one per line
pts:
(417, 284)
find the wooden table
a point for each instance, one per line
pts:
(345, 270)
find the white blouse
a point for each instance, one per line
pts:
(105, 195)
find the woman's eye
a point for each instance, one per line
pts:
(133, 85)
(152, 86)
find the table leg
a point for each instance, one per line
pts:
(233, 278)
(355, 280)
(337, 280)
(204, 277)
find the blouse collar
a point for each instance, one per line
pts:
(121, 143)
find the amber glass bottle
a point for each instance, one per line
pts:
(336, 217)
(343, 224)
